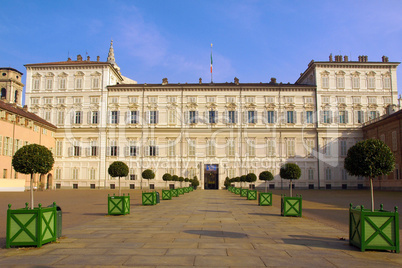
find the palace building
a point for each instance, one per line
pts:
(208, 130)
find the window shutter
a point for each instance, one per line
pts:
(216, 117)
(118, 151)
(89, 118)
(355, 119)
(303, 117)
(88, 151)
(336, 117)
(72, 114)
(109, 116)
(147, 118)
(157, 150)
(377, 114)
(363, 116)
(127, 119)
(187, 117)
(108, 151)
(118, 117)
(146, 148)
(264, 117)
(225, 118)
(321, 117)
(245, 117)
(205, 119)
(346, 117)
(275, 117)
(126, 150)
(157, 117)
(295, 117)
(236, 119)
(70, 151)
(196, 117)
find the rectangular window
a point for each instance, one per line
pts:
(327, 147)
(192, 117)
(153, 117)
(1, 145)
(252, 117)
(232, 117)
(172, 116)
(325, 82)
(59, 148)
(325, 99)
(78, 83)
(387, 100)
(172, 99)
(95, 117)
(49, 84)
(114, 117)
(309, 146)
(371, 82)
(211, 148)
(344, 175)
(152, 99)
(212, 117)
(34, 101)
(251, 147)
(289, 100)
(62, 83)
(192, 99)
(342, 149)
(93, 149)
(340, 82)
(326, 117)
(270, 117)
(60, 117)
(92, 174)
(269, 99)
(78, 117)
(328, 174)
(356, 82)
(360, 117)
(77, 100)
(290, 117)
(387, 82)
(61, 100)
(356, 100)
(394, 141)
(75, 174)
(94, 100)
(152, 150)
(48, 100)
(308, 100)
(133, 150)
(58, 173)
(290, 147)
(95, 82)
(342, 117)
(114, 150)
(76, 150)
(134, 117)
(372, 115)
(230, 99)
(231, 148)
(172, 148)
(271, 147)
(36, 84)
(372, 100)
(191, 147)
(310, 174)
(309, 117)
(341, 100)
(47, 115)
(132, 99)
(250, 100)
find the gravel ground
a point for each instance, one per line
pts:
(80, 206)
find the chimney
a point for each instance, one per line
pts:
(384, 59)
(68, 59)
(79, 58)
(236, 80)
(200, 81)
(164, 81)
(88, 58)
(97, 58)
(273, 80)
(330, 57)
(345, 58)
(365, 58)
(25, 108)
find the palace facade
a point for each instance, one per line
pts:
(208, 130)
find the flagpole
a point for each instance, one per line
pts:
(211, 66)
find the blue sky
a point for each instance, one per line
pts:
(252, 40)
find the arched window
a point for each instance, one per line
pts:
(3, 93)
(16, 96)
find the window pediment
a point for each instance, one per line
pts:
(231, 106)
(63, 74)
(355, 74)
(96, 74)
(79, 73)
(324, 73)
(371, 73)
(50, 74)
(270, 106)
(37, 75)
(340, 73)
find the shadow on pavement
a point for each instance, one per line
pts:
(217, 233)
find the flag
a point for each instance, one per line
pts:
(211, 58)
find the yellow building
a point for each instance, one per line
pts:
(18, 127)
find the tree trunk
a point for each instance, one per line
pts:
(119, 188)
(372, 194)
(32, 199)
(290, 188)
(266, 182)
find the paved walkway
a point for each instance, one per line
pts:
(201, 228)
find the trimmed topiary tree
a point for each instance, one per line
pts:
(175, 178)
(167, 177)
(370, 158)
(181, 179)
(250, 178)
(227, 182)
(118, 169)
(290, 171)
(148, 174)
(242, 179)
(32, 159)
(195, 182)
(266, 176)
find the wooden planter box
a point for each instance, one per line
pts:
(291, 206)
(233, 190)
(265, 199)
(230, 188)
(243, 192)
(252, 195)
(118, 205)
(175, 193)
(166, 195)
(378, 230)
(31, 227)
(180, 191)
(186, 190)
(148, 198)
(237, 191)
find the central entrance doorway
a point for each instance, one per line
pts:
(211, 177)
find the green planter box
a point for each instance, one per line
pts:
(378, 230)
(233, 189)
(118, 205)
(180, 191)
(252, 195)
(31, 227)
(291, 206)
(243, 192)
(186, 190)
(166, 195)
(230, 188)
(237, 191)
(265, 199)
(148, 198)
(175, 193)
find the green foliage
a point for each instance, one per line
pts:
(227, 182)
(186, 180)
(148, 174)
(369, 158)
(175, 178)
(237, 179)
(266, 176)
(33, 158)
(118, 169)
(195, 182)
(251, 177)
(167, 177)
(181, 179)
(243, 178)
(290, 171)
